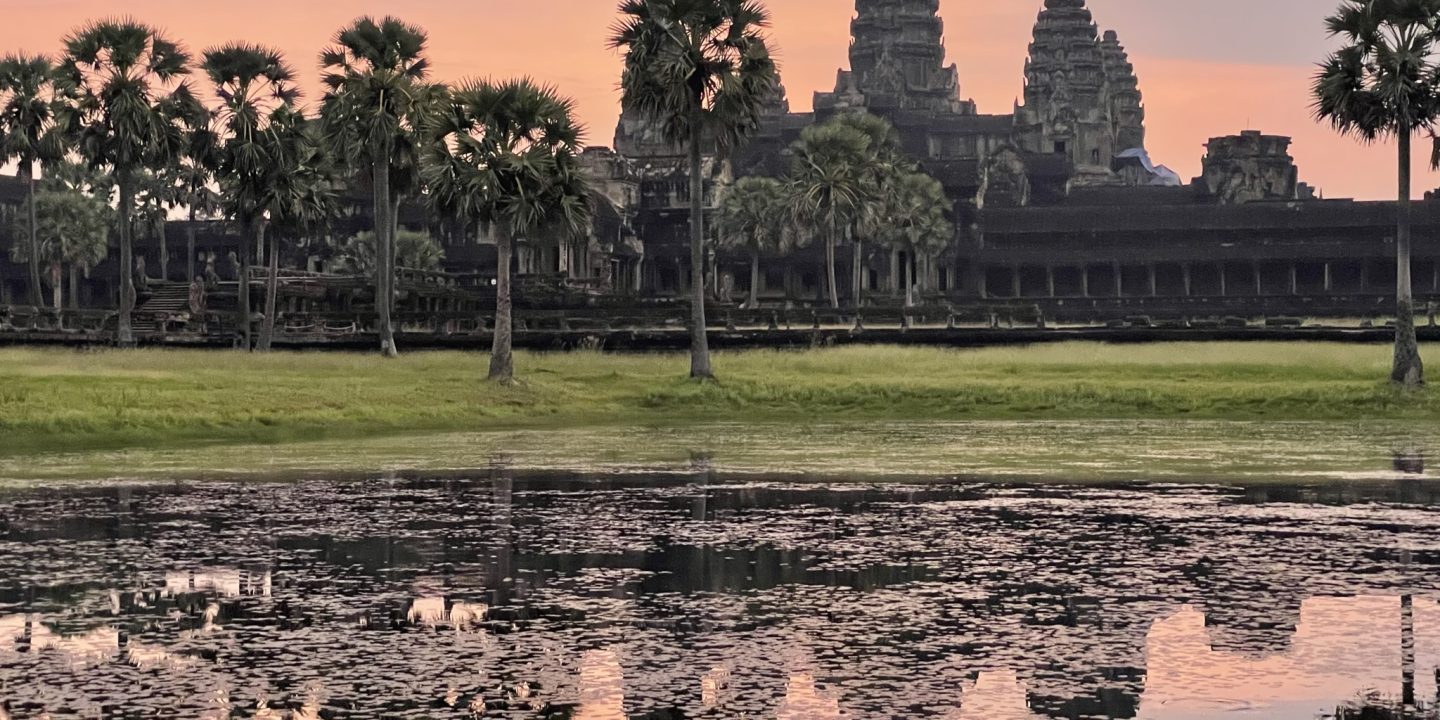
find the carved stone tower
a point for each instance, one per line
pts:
(897, 62)
(1082, 99)
(1127, 108)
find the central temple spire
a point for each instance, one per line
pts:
(1082, 99)
(897, 61)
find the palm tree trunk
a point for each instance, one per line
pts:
(257, 232)
(190, 248)
(160, 226)
(1409, 368)
(830, 232)
(856, 279)
(1407, 654)
(125, 335)
(57, 288)
(754, 279)
(272, 292)
(384, 271)
(502, 360)
(910, 278)
(700, 368)
(27, 172)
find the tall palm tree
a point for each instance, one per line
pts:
(125, 101)
(830, 186)
(299, 198)
(917, 222)
(699, 69)
(188, 179)
(194, 174)
(754, 219)
(254, 84)
(29, 135)
(506, 155)
(375, 100)
(1385, 82)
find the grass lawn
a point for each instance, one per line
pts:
(63, 400)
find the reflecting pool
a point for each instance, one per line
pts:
(627, 596)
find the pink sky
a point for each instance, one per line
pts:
(1206, 68)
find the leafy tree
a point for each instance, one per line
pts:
(29, 135)
(831, 185)
(1385, 82)
(255, 86)
(374, 107)
(754, 219)
(124, 110)
(698, 69)
(71, 229)
(916, 222)
(413, 251)
(507, 155)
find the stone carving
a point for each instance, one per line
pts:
(1249, 167)
(1004, 181)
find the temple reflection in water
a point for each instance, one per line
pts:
(541, 596)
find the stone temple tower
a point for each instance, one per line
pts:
(1082, 99)
(1127, 108)
(897, 62)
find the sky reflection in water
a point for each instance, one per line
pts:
(617, 597)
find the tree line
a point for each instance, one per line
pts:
(120, 127)
(119, 124)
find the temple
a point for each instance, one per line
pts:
(1059, 209)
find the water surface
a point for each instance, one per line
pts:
(610, 596)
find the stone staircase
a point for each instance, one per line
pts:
(165, 299)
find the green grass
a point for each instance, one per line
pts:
(58, 400)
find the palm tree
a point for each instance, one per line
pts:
(71, 229)
(194, 174)
(374, 104)
(159, 193)
(830, 185)
(1383, 83)
(506, 155)
(299, 197)
(413, 251)
(753, 218)
(254, 85)
(29, 134)
(885, 162)
(916, 222)
(125, 98)
(698, 69)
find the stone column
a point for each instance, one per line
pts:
(1224, 291)
(1015, 281)
(1294, 279)
(1085, 280)
(1154, 280)
(1259, 288)
(1187, 279)
(1050, 279)
(1329, 281)
(1119, 279)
